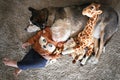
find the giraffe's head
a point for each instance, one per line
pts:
(91, 10)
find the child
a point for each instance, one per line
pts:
(42, 50)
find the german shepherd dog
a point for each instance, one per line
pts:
(68, 21)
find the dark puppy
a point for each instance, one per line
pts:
(39, 18)
(43, 17)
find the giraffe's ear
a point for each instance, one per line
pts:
(98, 5)
(99, 12)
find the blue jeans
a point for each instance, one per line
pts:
(32, 60)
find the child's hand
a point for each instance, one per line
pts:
(25, 45)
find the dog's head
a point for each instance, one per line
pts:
(37, 20)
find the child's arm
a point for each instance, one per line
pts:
(25, 45)
(31, 40)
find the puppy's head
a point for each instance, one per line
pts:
(37, 20)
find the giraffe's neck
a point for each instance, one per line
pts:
(91, 24)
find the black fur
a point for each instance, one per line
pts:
(39, 18)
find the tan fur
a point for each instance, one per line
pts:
(61, 32)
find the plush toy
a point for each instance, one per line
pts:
(85, 38)
(70, 47)
(42, 43)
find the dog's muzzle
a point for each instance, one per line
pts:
(42, 26)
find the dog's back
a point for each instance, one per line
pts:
(73, 15)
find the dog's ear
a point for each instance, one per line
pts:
(44, 13)
(32, 10)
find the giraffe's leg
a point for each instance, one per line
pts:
(75, 59)
(88, 54)
(93, 59)
(68, 51)
(80, 55)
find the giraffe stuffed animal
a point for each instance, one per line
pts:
(85, 39)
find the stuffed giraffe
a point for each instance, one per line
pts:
(85, 39)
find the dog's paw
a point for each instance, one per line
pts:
(93, 60)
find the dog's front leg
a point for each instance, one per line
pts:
(95, 59)
(96, 48)
(101, 45)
